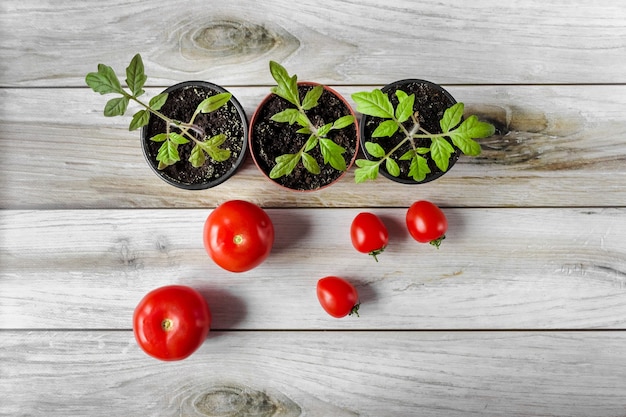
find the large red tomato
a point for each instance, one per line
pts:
(338, 297)
(426, 222)
(171, 322)
(238, 235)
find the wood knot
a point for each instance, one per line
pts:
(232, 401)
(228, 37)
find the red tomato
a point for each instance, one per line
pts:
(238, 235)
(369, 234)
(426, 223)
(338, 297)
(171, 322)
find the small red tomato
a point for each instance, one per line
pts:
(238, 235)
(369, 234)
(426, 223)
(171, 322)
(338, 297)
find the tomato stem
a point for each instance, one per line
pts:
(167, 324)
(377, 252)
(437, 242)
(355, 310)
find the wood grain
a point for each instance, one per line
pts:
(556, 146)
(288, 374)
(45, 43)
(497, 269)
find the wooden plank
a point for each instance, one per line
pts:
(284, 374)
(497, 269)
(331, 41)
(557, 146)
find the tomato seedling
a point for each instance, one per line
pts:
(426, 223)
(338, 297)
(171, 322)
(369, 234)
(238, 235)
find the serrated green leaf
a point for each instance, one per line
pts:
(220, 155)
(158, 101)
(197, 157)
(310, 163)
(210, 104)
(135, 76)
(367, 170)
(405, 108)
(104, 81)
(392, 167)
(177, 138)
(312, 97)
(323, 131)
(408, 155)
(422, 151)
(285, 164)
(385, 129)
(374, 103)
(161, 137)
(217, 140)
(401, 95)
(440, 151)
(310, 143)
(344, 121)
(287, 87)
(168, 153)
(462, 137)
(286, 116)
(333, 154)
(419, 168)
(452, 117)
(374, 149)
(304, 130)
(116, 106)
(140, 119)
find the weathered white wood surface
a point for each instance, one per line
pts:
(522, 312)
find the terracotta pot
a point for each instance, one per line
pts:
(182, 101)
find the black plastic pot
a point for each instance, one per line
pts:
(431, 101)
(182, 101)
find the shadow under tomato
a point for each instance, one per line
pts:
(227, 310)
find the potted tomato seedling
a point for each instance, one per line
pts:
(303, 136)
(369, 234)
(338, 297)
(171, 322)
(426, 223)
(238, 235)
(193, 134)
(413, 132)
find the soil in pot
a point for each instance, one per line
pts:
(271, 139)
(431, 101)
(182, 101)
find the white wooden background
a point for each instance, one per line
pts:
(522, 312)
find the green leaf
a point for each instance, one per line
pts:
(197, 157)
(422, 151)
(161, 137)
(217, 140)
(168, 153)
(304, 130)
(140, 119)
(375, 103)
(323, 131)
(408, 155)
(287, 87)
(212, 147)
(405, 108)
(135, 76)
(367, 170)
(385, 129)
(286, 116)
(401, 95)
(310, 163)
(213, 103)
(310, 143)
(312, 97)
(285, 164)
(452, 117)
(374, 149)
(344, 121)
(392, 167)
(177, 138)
(104, 81)
(471, 128)
(158, 101)
(220, 155)
(440, 151)
(419, 168)
(116, 106)
(333, 154)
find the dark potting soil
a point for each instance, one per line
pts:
(271, 139)
(180, 105)
(431, 103)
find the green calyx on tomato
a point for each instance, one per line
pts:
(338, 297)
(426, 223)
(369, 234)
(238, 235)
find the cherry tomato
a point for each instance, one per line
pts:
(238, 235)
(337, 296)
(426, 222)
(171, 322)
(369, 234)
